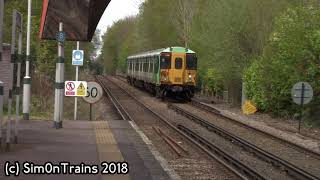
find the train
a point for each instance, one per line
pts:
(164, 72)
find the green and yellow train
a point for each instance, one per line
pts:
(165, 71)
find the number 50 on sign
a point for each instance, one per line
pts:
(94, 93)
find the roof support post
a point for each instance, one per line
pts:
(59, 85)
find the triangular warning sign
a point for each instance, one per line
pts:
(81, 90)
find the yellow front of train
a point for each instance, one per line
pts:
(179, 70)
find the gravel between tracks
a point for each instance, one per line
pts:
(194, 166)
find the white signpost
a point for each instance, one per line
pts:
(75, 88)
(77, 60)
(302, 94)
(94, 94)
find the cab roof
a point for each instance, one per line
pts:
(157, 52)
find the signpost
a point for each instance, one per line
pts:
(77, 60)
(302, 94)
(94, 94)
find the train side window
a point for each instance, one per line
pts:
(156, 66)
(178, 63)
(137, 65)
(149, 64)
(146, 65)
(152, 65)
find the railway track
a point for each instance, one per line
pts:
(289, 168)
(209, 109)
(237, 167)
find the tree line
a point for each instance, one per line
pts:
(265, 45)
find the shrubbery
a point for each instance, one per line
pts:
(292, 55)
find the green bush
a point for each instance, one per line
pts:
(292, 55)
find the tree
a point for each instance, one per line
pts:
(292, 55)
(183, 20)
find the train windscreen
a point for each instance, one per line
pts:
(192, 61)
(165, 61)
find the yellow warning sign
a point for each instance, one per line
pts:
(248, 108)
(81, 90)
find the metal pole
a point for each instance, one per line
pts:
(1, 27)
(243, 96)
(90, 112)
(19, 59)
(77, 77)
(13, 42)
(59, 94)
(27, 78)
(1, 110)
(301, 104)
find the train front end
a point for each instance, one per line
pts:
(178, 70)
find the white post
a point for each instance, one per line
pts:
(59, 85)
(27, 78)
(77, 77)
(18, 60)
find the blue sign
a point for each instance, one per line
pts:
(77, 57)
(61, 36)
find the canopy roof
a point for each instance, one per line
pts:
(80, 18)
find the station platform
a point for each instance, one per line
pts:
(87, 142)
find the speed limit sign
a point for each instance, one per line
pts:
(94, 93)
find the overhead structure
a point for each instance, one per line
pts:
(79, 17)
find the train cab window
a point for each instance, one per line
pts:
(178, 63)
(165, 61)
(192, 61)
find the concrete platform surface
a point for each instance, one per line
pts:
(83, 148)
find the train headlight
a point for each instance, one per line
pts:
(190, 77)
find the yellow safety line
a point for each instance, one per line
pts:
(108, 149)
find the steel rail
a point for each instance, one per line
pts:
(243, 172)
(249, 172)
(213, 110)
(123, 113)
(289, 168)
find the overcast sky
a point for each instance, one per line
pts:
(118, 9)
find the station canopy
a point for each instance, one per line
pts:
(79, 17)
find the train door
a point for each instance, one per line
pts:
(177, 70)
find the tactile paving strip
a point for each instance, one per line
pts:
(108, 149)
